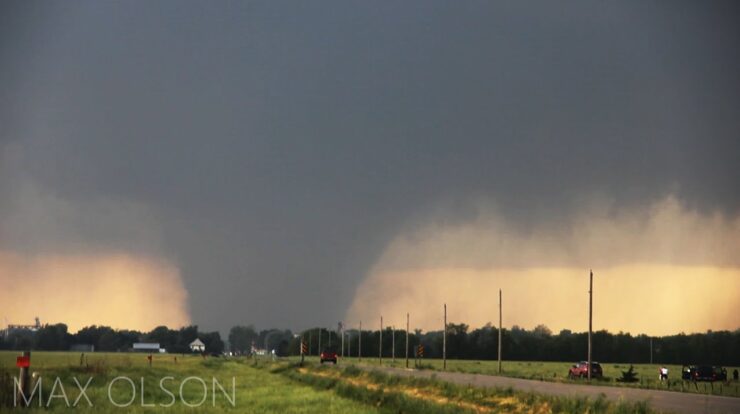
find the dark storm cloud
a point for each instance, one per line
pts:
(272, 149)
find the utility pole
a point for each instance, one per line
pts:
(651, 350)
(500, 331)
(359, 345)
(393, 344)
(380, 348)
(407, 340)
(590, 317)
(444, 343)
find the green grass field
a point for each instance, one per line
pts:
(558, 371)
(263, 386)
(257, 391)
(432, 396)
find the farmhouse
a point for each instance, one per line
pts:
(197, 346)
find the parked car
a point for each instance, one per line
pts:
(708, 373)
(580, 370)
(328, 355)
(704, 373)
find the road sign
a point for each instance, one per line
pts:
(304, 348)
(420, 351)
(23, 361)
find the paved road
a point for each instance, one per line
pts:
(674, 402)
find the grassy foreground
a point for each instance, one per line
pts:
(260, 386)
(255, 391)
(431, 396)
(558, 372)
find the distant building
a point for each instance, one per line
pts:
(257, 351)
(82, 348)
(197, 346)
(12, 328)
(147, 347)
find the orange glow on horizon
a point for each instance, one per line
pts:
(651, 299)
(121, 291)
(659, 269)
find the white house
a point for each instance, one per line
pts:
(197, 346)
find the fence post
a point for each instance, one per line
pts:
(23, 385)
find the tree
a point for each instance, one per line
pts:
(241, 337)
(165, 337)
(104, 338)
(457, 338)
(213, 342)
(127, 338)
(628, 376)
(52, 338)
(542, 331)
(109, 341)
(20, 339)
(184, 337)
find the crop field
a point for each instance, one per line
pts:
(558, 371)
(117, 382)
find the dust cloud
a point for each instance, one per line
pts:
(656, 269)
(118, 290)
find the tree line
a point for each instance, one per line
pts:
(538, 344)
(518, 344)
(56, 337)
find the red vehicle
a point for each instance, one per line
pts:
(328, 355)
(580, 370)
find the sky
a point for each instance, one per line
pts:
(294, 164)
